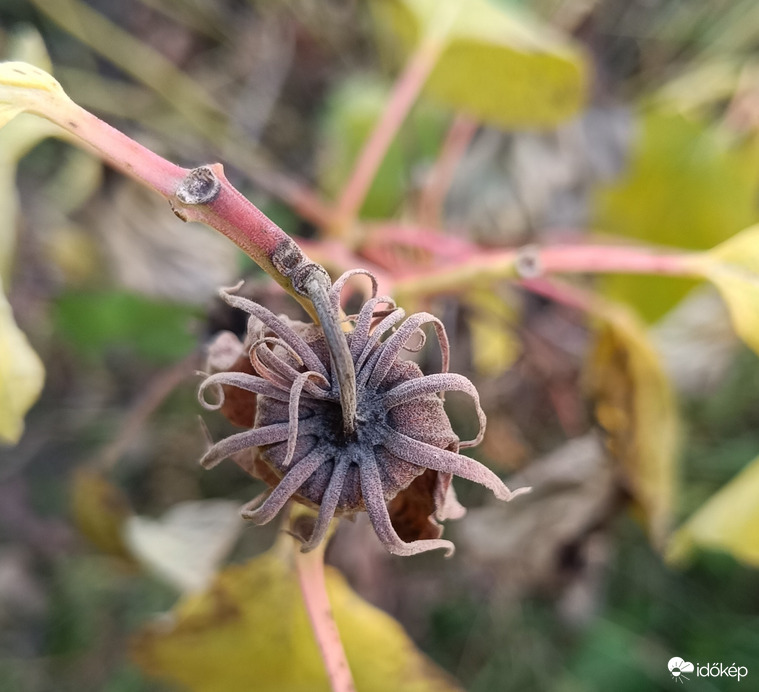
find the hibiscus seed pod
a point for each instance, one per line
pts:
(401, 428)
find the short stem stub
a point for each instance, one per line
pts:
(340, 355)
(311, 280)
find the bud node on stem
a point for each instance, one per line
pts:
(527, 263)
(178, 212)
(287, 256)
(200, 186)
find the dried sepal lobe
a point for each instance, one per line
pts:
(402, 450)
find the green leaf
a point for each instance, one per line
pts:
(21, 375)
(351, 113)
(497, 64)
(728, 521)
(250, 631)
(155, 330)
(687, 186)
(733, 267)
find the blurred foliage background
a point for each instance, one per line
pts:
(639, 120)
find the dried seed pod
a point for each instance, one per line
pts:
(401, 427)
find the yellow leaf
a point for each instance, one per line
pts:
(733, 267)
(250, 631)
(100, 511)
(636, 408)
(497, 65)
(728, 521)
(494, 345)
(22, 74)
(21, 375)
(21, 87)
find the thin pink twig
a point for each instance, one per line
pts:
(534, 262)
(441, 176)
(301, 198)
(403, 97)
(220, 205)
(383, 240)
(571, 259)
(116, 148)
(310, 567)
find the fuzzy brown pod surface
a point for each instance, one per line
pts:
(402, 451)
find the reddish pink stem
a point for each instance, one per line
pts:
(239, 219)
(405, 93)
(118, 150)
(310, 567)
(161, 175)
(534, 262)
(228, 211)
(599, 259)
(384, 239)
(441, 177)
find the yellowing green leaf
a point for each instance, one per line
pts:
(497, 65)
(733, 267)
(21, 375)
(100, 511)
(728, 521)
(687, 186)
(250, 631)
(635, 406)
